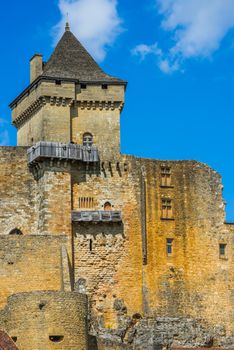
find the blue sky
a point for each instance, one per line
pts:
(177, 55)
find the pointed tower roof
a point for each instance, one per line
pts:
(70, 60)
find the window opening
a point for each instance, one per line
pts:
(104, 86)
(90, 245)
(83, 86)
(14, 339)
(165, 176)
(87, 139)
(107, 206)
(16, 231)
(58, 82)
(169, 246)
(222, 250)
(166, 208)
(56, 338)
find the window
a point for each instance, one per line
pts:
(56, 338)
(83, 86)
(222, 250)
(14, 339)
(58, 82)
(86, 202)
(87, 139)
(165, 176)
(104, 86)
(90, 245)
(107, 206)
(16, 232)
(169, 246)
(166, 208)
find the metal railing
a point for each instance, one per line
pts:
(96, 216)
(62, 151)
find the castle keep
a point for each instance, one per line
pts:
(99, 250)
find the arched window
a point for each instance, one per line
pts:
(16, 232)
(87, 139)
(107, 206)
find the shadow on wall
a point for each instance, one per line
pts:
(105, 229)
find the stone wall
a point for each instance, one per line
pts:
(108, 256)
(47, 320)
(30, 263)
(97, 111)
(125, 269)
(18, 202)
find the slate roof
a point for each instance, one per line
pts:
(6, 343)
(72, 61)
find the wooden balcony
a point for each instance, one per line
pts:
(61, 151)
(96, 216)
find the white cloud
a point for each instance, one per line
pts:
(96, 23)
(143, 50)
(4, 138)
(196, 28)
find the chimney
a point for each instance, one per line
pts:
(35, 67)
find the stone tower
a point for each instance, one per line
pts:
(69, 98)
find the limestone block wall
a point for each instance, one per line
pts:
(30, 263)
(18, 189)
(47, 320)
(44, 113)
(97, 111)
(50, 123)
(31, 132)
(108, 257)
(193, 278)
(54, 201)
(39, 205)
(126, 269)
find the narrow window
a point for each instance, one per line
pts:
(167, 208)
(14, 339)
(169, 246)
(222, 250)
(16, 232)
(90, 245)
(104, 86)
(165, 176)
(56, 338)
(107, 206)
(58, 82)
(87, 139)
(83, 86)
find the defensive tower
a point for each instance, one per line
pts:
(70, 100)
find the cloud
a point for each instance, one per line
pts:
(196, 29)
(143, 50)
(95, 22)
(4, 138)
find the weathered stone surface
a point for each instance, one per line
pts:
(44, 315)
(142, 294)
(165, 332)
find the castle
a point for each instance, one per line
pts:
(100, 250)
